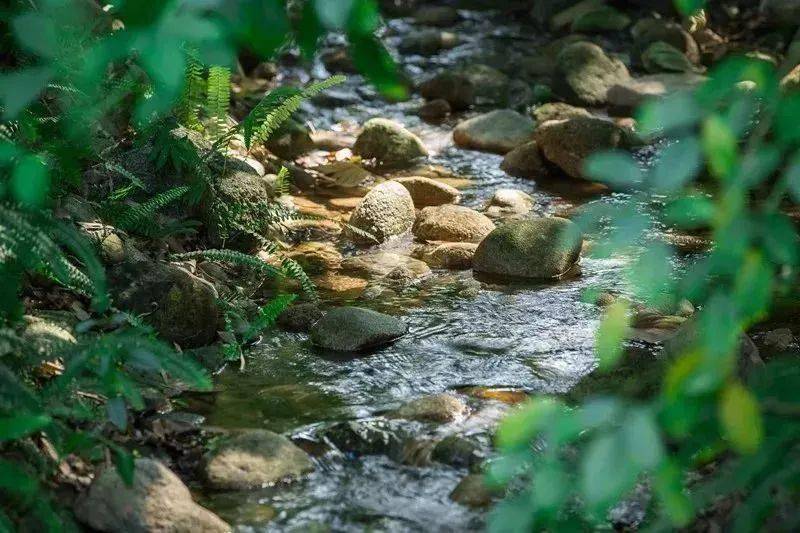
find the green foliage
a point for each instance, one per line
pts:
(728, 167)
(218, 99)
(241, 330)
(139, 218)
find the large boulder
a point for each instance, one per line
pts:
(452, 223)
(387, 210)
(498, 131)
(525, 161)
(389, 143)
(380, 264)
(254, 459)
(568, 143)
(354, 329)
(584, 73)
(427, 192)
(538, 248)
(157, 502)
(180, 306)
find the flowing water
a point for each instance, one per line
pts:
(537, 338)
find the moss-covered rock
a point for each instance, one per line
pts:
(435, 408)
(427, 192)
(538, 248)
(386, 211)
(451, 223)
(568, 143)
(389, 143)
(525, 161)
(354, 329)
(498, 131)
(584, 73)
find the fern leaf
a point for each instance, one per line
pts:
(218, 96)
(267, 315)
(139, 217)
(191, 100)
(283, 182)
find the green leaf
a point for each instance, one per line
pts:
(719, 145)
(642, 438)
(615, 168)
(740, 417)
(373, 60)
(651, 275)
(521, 426)
(117, 412)
(758, 165)
(792, 176)
(753, 288)
(18, 426)
(20, 88)
(37, 33)
(668, 487)
(611, 334)
(310, 29)
(678, 164)
(676, 112)
(15, 480)
(661, 56)
(688, 7)
(30, 183)
(690, 212)
(125, 463)
(605, 472)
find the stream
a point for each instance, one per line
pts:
(463, 334)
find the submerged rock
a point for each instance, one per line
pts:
(473, 492)
(368, 437)
(353, 329)
(253, 459)
(386, 211)
(539, 248)
(380, 264)
(389, 143)
(449, 255)
(427, 192)
(584, 73)
(498, 131)
(435, 408)
(458, 451)
(568, 143)
(157, 502)
(452, 223)
(435, 110)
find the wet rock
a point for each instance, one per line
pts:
(458, 452)
(448, 255)
(435, 408)
(368, 437)
(568, 143)
(316, 257)
(442, 16)
(623, 99)
(509, 202)
(290, 140)
(338, 60)
(599, 20)
(472, 492)
(453, 87)
(662, 57)
(650, 30)
(780, 339)
(435, 111)
(174, 423)
(299, 317)
(380, 264)
(498, 131)
(558, 111)
(339, 284)
(506, 396)
(427, 42)
(491, 85)
(429, 192)
(389, 143)
(157, 502)
(539, 248)
(180, 306)
(352, 329)
(525, 161)
(584, 73)
(254, 458)
(687, 244)
(386, 211)
(452, 223)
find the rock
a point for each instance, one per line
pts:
(452, 223)
(427, 192)
(316, 257)
(442, 16)
(338, 60)
(299, 317)
(448, 255)
(427, 42)
(781, 12)
(498, 131)
(340, 285)
(368, 437)
(458, 452)
(509, 202)
(538, 248)
(157, 502)
(254, 459)
(599, 20)
(380, 264)
(568, 143)
(47, 334)
(389, 143)
(387, 210)
(525, 161)
(660, 57)
(352, 329)
(624, 98)
(453, 87)
(180, 306)
(472, 492)
(650, 30)
(290, 140)
(779, 339)
(435, 110)
(506, 396)
(584, 73)
(558, 111)
(491, 85)
(435, 408)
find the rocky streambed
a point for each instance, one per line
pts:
(453, 285)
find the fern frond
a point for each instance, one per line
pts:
(283, 182)
(194, 89)
(267, 315)
(218, 95)
(139, 217)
